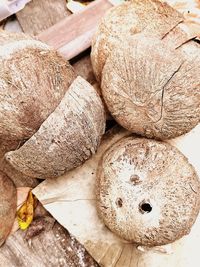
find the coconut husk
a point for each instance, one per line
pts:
(153, 92)
(69, 136)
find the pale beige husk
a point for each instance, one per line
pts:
(137, 171)
(8, 206)
(69, 136)
(33, 80)
(143, 54)
(153, 89)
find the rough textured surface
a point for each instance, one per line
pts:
(8, 206)
(150, 17)
(147, 192)
(33, 80)
(153, 92)
(69, 136)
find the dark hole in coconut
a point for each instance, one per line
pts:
(196, 40)
(145, 207)
(119, 202)
(135, 179)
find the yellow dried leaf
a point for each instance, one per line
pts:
(26, 212)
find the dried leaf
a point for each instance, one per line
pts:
(22, 195)
(26, 212)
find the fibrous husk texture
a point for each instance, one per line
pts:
(153, 90)
(133, 17)
(8, 206)
(69, 136)
(147, 192)
(144, 54)
(33, 80)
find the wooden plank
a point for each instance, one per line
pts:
(73, 34)
(51, 248)
(39, 15)
(46, 243)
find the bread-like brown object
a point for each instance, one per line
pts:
(8, 206)
(151, 17)
(69, 136)
(147, 192)
(33, 80)
(153, 90)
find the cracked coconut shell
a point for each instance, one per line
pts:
(147, 192)
(8, 206)
(152, 89)
(68, 137)
(151, 17)
(33, 81)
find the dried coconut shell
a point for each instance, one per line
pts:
(8, 206)
(33, 80)
(152, 89)
(151, 17)
(69, 136)
(147, 192)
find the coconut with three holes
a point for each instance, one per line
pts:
(145, 62)
(147, 192)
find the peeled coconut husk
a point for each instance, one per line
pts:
(8, 206)
(152, 89)
(152, 17)
(69, 136)
(33, 80)
(147, 192)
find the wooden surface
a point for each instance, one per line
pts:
(53, 248)
(39, 15)
(73, 34)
